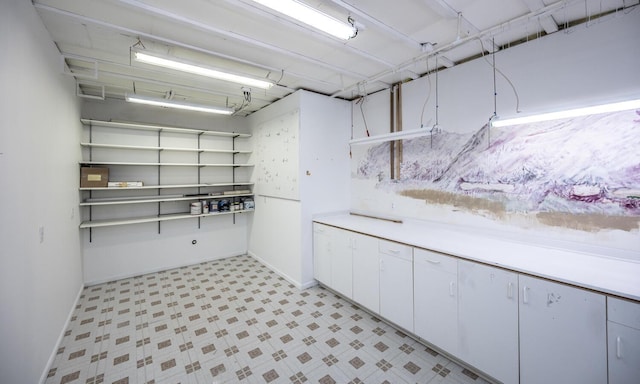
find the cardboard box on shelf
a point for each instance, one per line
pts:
(94, 177)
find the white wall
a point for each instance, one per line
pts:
(580, 66)
(123, 251)
(280, 232)
(40, 279)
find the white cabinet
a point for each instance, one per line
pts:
(332, 258)
(562, 333)
(366, 276)
(624, 341)
(396, 283)
(488, 319)
(322, 253)
(342, 263)
(436, 299)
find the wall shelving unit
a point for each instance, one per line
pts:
(163, 168)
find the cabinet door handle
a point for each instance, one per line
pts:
(618, 347)
(432, 261)
(451, 288)
(525, 295)
(381, 265)
(510, 291)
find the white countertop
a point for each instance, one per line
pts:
(598, 272)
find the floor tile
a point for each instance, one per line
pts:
(234, 320)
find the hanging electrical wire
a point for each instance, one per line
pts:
(495, 69)
(436, 127)
(424, 106)
(361, 101)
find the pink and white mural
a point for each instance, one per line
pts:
(580, 172)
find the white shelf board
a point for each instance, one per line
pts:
(161, 128)
(163, 164)
(148, 148)
(159, 199)
(165, 186)
(151, 219)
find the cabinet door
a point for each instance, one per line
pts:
(624, 341)
(488, 319)
(436, 299)
(341, 262)
(562, 334)
(322, 253)
(396, 290)
(366, 278)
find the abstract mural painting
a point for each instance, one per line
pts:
(584, 168)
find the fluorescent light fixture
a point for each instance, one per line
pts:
(594, 110)
(178, 105)
(400, 135)
(199, 70)
(311, 17)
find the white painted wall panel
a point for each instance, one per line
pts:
(40, 275)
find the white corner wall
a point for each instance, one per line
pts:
(40, 263)
(124, 251)
(280, 231)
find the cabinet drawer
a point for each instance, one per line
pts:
(436, 260)
(395, 249)
(623, 312)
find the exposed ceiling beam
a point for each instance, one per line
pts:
(363, 16)
(482, 34)
(547, 21)
(444, 9)
(251, 7)
(149, 9)
(136, 33)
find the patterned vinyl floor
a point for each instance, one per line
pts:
(231, 321)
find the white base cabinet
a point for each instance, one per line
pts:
(513, 327)
(488, 319)
(396, 283)
(322, 252)
(435, 279)
(332, 258)
(623, 328)
(562, 334)
(366, 276)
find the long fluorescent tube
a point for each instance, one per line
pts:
(594, 110)
(400, 135)
(311, 17)
(199, 70)
(178, 105)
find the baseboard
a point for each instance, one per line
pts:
(54, 353)
(297, 284)
(154, 270)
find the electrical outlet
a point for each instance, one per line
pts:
(41, 234)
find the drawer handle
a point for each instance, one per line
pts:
(525, 295)
(432, 261)
(618, 348)
(393, 250)
(451, 288)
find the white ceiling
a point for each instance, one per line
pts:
(96, 38)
